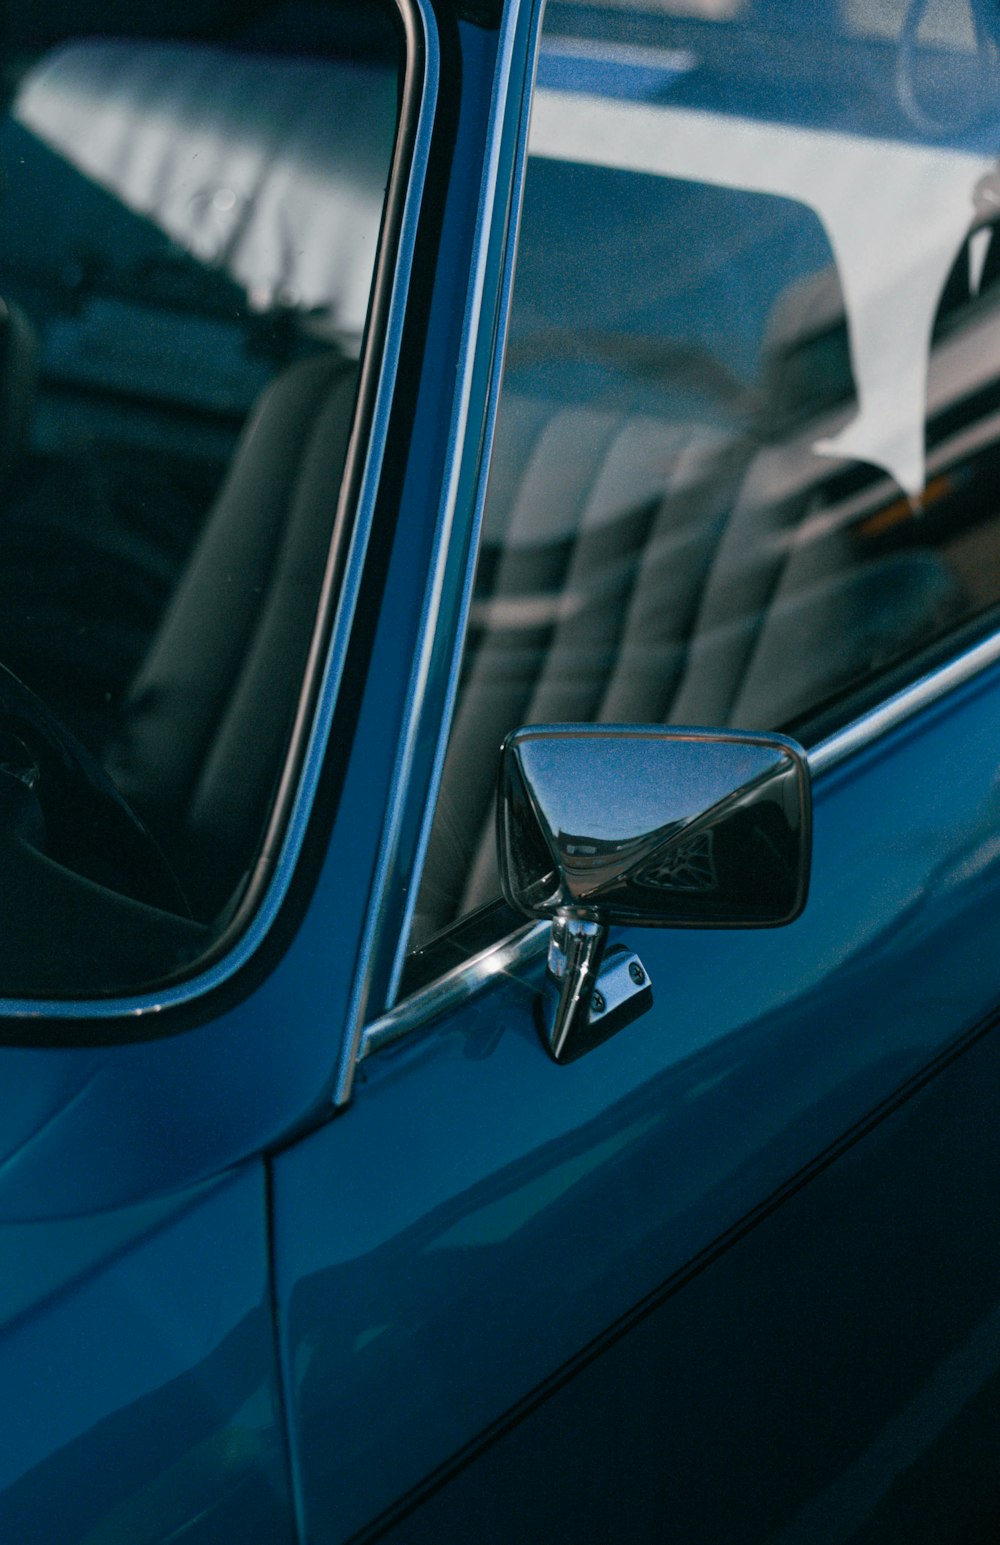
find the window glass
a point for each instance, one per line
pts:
(746, 456)
(190, 205)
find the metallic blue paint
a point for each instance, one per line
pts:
(137, 1364)
(834, 1375)
(501, 1212)
(449, 1254)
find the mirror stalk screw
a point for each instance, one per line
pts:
(588, 995)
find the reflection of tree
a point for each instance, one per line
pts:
(740, 860)
(687, 866)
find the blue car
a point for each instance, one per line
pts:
(499, 771)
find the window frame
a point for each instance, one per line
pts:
(448, 588)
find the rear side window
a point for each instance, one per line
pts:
(189, 217)
(746, 455)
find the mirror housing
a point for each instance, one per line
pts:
(634, 825)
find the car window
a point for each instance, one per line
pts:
(745, 458)
(189, 214)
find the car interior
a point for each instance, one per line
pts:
(191, 207)
(191, 202)
(661, 542)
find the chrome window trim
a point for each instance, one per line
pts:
(454, 987)
(492, 242)
(461, 983)
(904, 704)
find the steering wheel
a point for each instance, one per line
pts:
(57, 797)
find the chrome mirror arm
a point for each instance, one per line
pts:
(576, 949)
(590, 992)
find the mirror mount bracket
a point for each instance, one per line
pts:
(590, 992)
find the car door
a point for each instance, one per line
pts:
(731, 1274)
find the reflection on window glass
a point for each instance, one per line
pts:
(705, 10)
(188, 224)
(950, 23)
(746, 457)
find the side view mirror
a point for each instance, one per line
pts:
(599, 825)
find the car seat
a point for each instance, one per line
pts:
(640, 570)
(201, 733)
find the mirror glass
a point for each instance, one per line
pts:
(664, 827)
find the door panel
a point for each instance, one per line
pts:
(480, 1215)
(833, 1376)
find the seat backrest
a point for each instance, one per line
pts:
(643, 570)
(202, 733)
(599, 533)
(18, 385)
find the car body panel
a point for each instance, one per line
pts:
(832, 1374)
(510, 1299)
(484, 1243)
(140, 1348)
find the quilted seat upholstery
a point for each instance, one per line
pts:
(639, 570)
(202, 731)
